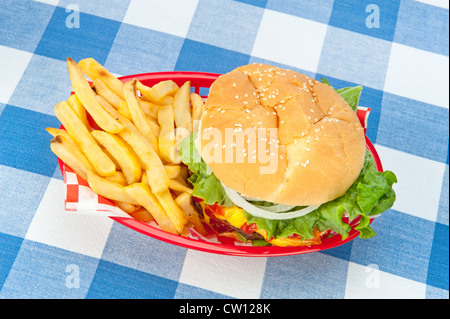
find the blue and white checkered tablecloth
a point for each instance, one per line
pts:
(399, 52)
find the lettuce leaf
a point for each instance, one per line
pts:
(206, 185)
(350, 94)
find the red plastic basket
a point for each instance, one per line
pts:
(200, 83)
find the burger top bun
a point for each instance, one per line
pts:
(280, 136)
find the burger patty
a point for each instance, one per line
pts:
(221, 226)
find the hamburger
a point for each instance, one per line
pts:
(280, 159)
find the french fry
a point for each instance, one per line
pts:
(95, 70)
(151, 163)
(117, 178)
(109, 189)
(148, 94)
(172, 171)
(197, 110)
(163, 88)
(166, 137)
(127, 207)
(79, 109)
(137, 114)
(87, 97)
(174, 212)
(182, 107)
(142, 215)
(184, 202)
(144, 196)
(154, 126)
(71, 155)
(149, 108)
(58, 131)
(123, 110)
(177, 186)
(128, 162)
(82, 137)
(103, 90)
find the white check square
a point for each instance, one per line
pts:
(418, 75)
(419, 182)
(12, 65)
(169, 16)
(51, 225)
(283, 38)
(369, 282)
(238, 277)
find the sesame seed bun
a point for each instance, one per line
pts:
(314, 145)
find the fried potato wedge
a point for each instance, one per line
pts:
(82, 137)
(71, 155)
(109, 189)
(87, 98)
(144, 196)
(128, 162)
(95, 70)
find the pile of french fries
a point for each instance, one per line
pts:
(129, 154)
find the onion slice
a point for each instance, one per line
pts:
(238, 200)
(278, 208)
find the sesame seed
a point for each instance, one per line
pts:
(236, 97)
(223, 111)
(234, 85)
(245, 102)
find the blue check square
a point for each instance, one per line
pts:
(138, 50)
(285, 279)
(375, 18)
(407, 125)
(65, 37)
(438, 268)
(68, 275)
(115, 281)
(421, 26)
(125, 247)
(443, 216)
(22, 23)
(196, 56)
(241, 21)
(24, 143)
(397, 249)
(355, 57)
(21, 195)
(258, 3)
(9, 248)
(318, 10)
(41, 88)
(111, 9)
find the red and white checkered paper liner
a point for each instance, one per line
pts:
(81, 199)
